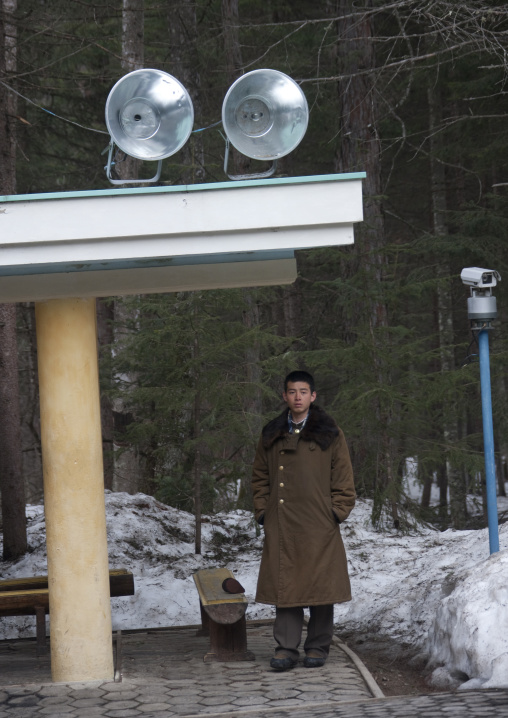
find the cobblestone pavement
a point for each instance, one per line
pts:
(164, 676)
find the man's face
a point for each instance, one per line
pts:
(299, 397)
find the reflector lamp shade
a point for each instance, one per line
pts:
(265, 114)
(149, 114)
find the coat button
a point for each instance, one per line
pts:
(281, 501)
(281, 467)
(282, 451)
(281, 485)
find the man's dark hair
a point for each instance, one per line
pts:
(300, 376)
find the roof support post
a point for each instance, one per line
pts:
(81, 643)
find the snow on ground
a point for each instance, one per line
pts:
(438, 595)
(478, 604)
(414, 490)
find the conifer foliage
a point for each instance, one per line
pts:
(412, 92)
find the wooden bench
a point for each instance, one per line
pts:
(222, 617)
(30, 596)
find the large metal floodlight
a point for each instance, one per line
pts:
(265, 116)
(149, 115)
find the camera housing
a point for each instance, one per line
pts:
(481, 305)
(479, 277)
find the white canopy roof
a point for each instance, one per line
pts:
(165, 239)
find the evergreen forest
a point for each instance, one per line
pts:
(412, 92)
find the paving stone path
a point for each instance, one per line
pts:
(164, 676)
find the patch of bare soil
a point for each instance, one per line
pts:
(396, 671)
(396, 678)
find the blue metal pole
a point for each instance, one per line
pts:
(488, 440)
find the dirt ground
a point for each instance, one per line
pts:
(395, 677)
(395, 674)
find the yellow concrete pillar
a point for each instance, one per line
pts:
(80, 609)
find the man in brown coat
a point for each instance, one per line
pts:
(303, 489)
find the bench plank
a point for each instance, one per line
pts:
(23, 603)
(28, 596)
(209, 584)
(24, 584)
(28, 603)
(121, 583)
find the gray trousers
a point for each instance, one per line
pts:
(287, 630)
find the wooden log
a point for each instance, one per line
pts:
(226, 613)
(228, 642)
(121, 583)
(40, 623)
(222, 616)
(30, 596)
(23, 603)
(204, 630)
(24, 584)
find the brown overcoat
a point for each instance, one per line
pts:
(302, 487)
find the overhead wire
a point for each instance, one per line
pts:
(77, 124)
(44, 109)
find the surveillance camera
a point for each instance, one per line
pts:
(480, 278)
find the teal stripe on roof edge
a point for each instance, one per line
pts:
(182, 188)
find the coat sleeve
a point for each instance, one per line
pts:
(260, 482)
(342, 482)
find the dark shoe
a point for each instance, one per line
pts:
(314, 661)
(282, 664)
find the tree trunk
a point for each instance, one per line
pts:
(197, 453)
(183, 38)
(239, 164)
(360, 150)
(31, 453)
(127, 466)
(254, 405)
(7, 99)
(105, 316)
(485, 512)
(501, 437)
(11, 479)
(133, 23)
(500, 473)
(185, 66)
(233, 52)
(442, 481)
(292, 306)
(12, 485)
(454, 474)
(133, 13)
(427, 490)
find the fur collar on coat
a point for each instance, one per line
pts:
(319, 427)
